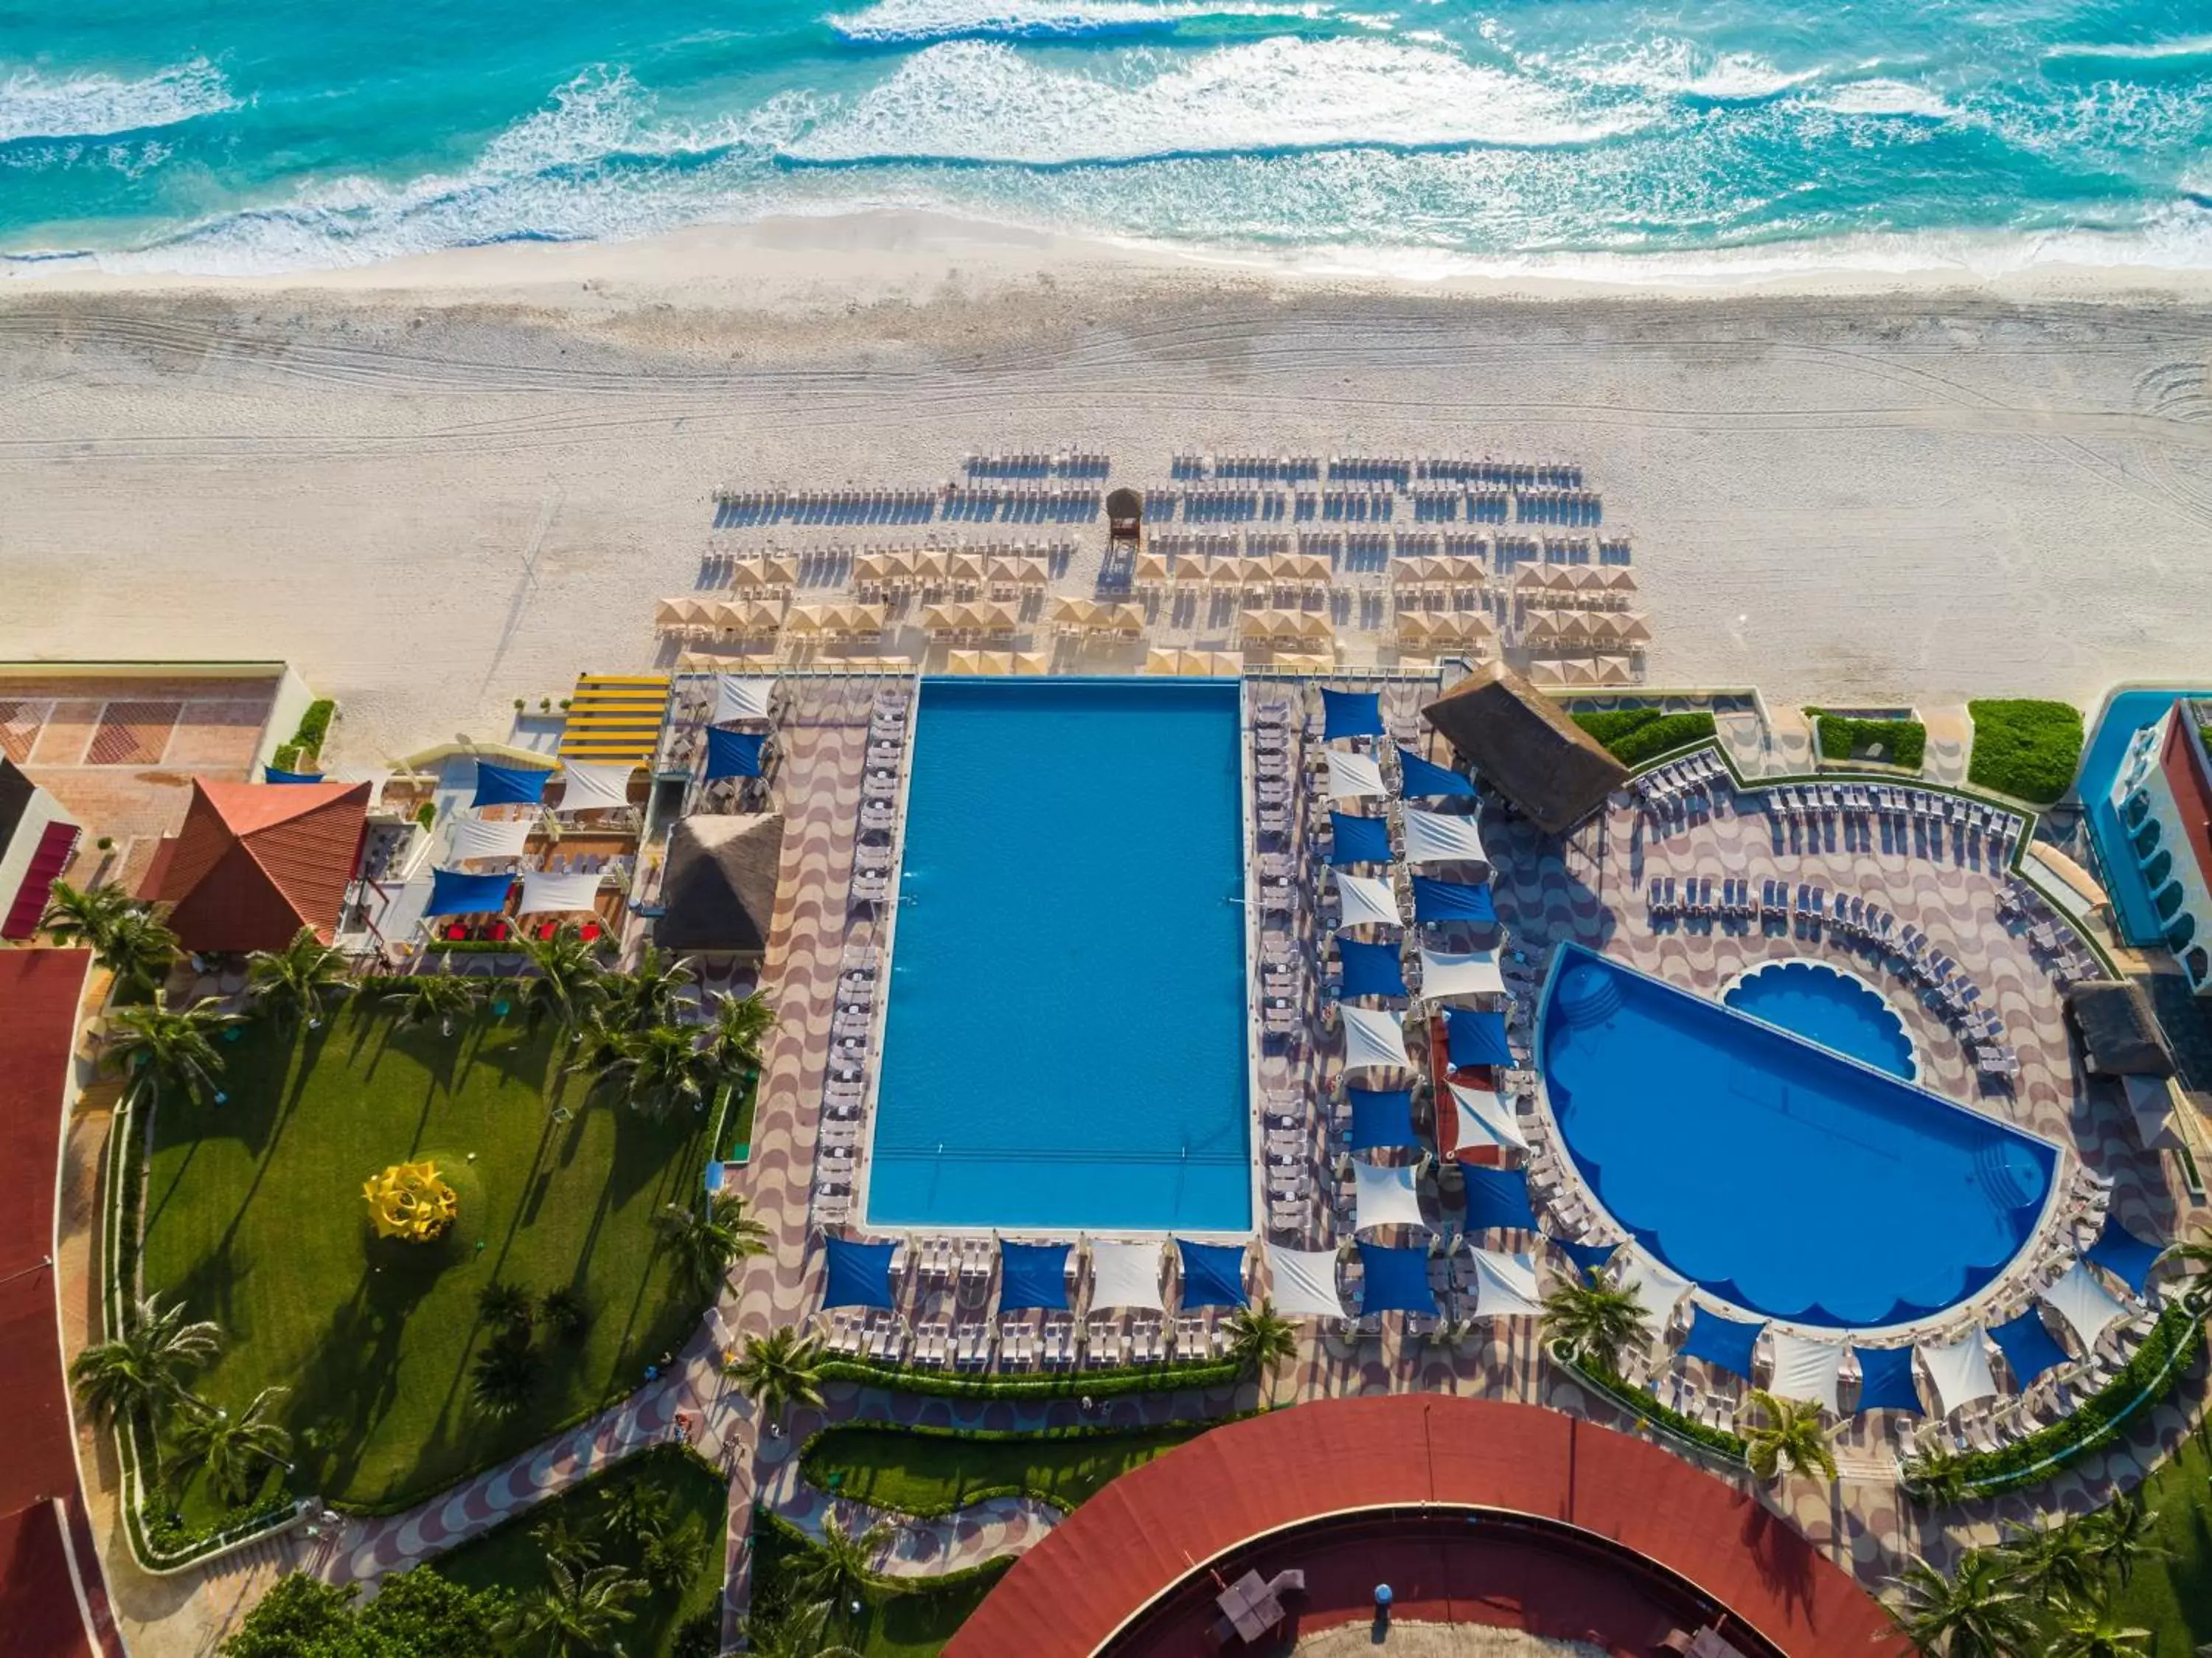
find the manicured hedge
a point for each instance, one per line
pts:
(1641, 1404)
(306, 745)
(2027, 749)
(1609, 725)
(1902, 742)
(982, 1470)
(1661, 736)
(1065, 1384)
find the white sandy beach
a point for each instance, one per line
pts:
(438, 485)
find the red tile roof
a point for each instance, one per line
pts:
(1156, 1525)
(255, 861)
(2183, 761)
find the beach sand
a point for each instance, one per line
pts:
(438, 485)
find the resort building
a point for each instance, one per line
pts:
(37, 837)
(2164, 798)
(1521, 742)
(257, 862)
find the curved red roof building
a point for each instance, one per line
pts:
(257, 862)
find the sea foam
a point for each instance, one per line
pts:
(916, 23)
(34, 105)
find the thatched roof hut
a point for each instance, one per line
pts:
(1124, 514)
(1524, 745)
(2119, 1033)
(719, 891)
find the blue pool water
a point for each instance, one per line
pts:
(2124, 714)
(1832, 1009)
(1783, 1177)
(1066, 1037)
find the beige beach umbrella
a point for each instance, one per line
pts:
(1615, 670)
(778, 571)
(672, 615)
(1578, 671)
(1032, 662)
(1227, 664)
(1158, 661)
(963, 661)
(941, 619)
(1151, 571)
(1634, 630)
(745, 576)
(964, 567)
(1548, 674)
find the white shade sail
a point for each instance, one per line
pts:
(1384, 1196)
(1355, 777)
(738, 697)
(1960, 1371)
(1808, 1369)
(489, 837)
(1485, 1117)
(1505, 1285)
(1126, 1275)
(1445, 974)
(1368, 900)
(1658, 1289)
(1374, 1038)
(544, 893)
(1442, 837)
(1301, 1282)
(594, 787)
(2086, 1305)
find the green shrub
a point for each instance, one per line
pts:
(1609, 725)
(306, 744)
(1642, 1405)
(900, 1617)
(1070, 1384)
(1901, 742)
(1661, 736)
(926, 1471)
(426, 814)
(2027, 749)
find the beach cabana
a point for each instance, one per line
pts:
(1394, 1281)
(1374, 1040)
(1959, 1371)
(1505, 1285)
(1422, 779)
(1658, 1287)
(1522, 743)
(1126, 1275)
(1125, 514)
(1355, 839)
(1371, 970)
(2028, 1345)
(509, 785)
(1483, 1117)
(1886, 1382)
(2124, 1255)
(1355, 777)
(1301, 1282)
(1212, 1275)
(1807, 1368)
(591, 786)
(1467, 902)
(1032, 1275)
(1476, 1036)
(1498, 1199)
(1381, 1119)
(2087, 1306)
(1366, 900)
(1442, 837)
(1350, 714)
(474, 840)
(1723, 1342)
(461, 892)
(733, 753)
(1448, 973)
(719, 892)
(859, 1274)
(545, 893)
(739, 697)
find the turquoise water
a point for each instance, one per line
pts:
(1066, 1042)
(1790, 1181)
(1815, 1001)
(2126, 714)
(260, 136)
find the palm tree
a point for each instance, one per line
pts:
(567, 983)
(779, 1370)
(2123, 1533)
(444, 997)
(2194, 1251)
(793, 1635)
(1937, 1479)
(556, 1541)
(578, 1611)
(645, 996)
(834, 1571)
(2092, 1629)
(86, 915)
(707, 1245)
(658, 1070)
(1259, 1338)
(669, 1559)
(504, 1374)
(2054, 1562)
(235, 1450)
(635, 1510)
(143, 1371)
(1978, 1612)
(140, 952)
(1789, 1441)
(741, 1025)
(1595, 1319)
(296, 981)
(159, 1047)
(505, 1305)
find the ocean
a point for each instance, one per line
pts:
(1567, 136)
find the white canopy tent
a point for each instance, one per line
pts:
(1301, 1282)
(737, 697)
(1505, 1285)
(489, 837)
(1367, 900)
(545, 893)
(1356, 776)
(1485, 1117)
(1447, 974)
(1442, 837)
(588, 786)
(2086, 1305)
(1960, 1371)
(1384, 1196)
(1659, 1290)
(1373, 1038)
(1807, 1368)
(1126, 1275)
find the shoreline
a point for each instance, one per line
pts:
(873, 254)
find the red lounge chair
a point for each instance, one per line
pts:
(496, 932)
(588, 931)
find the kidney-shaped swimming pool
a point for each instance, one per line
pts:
(1782, 1177)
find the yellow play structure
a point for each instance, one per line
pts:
(409, 1201)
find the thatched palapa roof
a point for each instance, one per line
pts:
(719, 891)
(2119, 1033)
(1524, 745)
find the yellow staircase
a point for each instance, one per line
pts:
(615, 716)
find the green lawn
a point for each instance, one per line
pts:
(2172, 1598)
(254, 1219)
(2029, 750)
(903, 1618)
(920, 1472)
(509, 1557)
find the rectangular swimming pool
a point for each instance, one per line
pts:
(1066, 1044)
